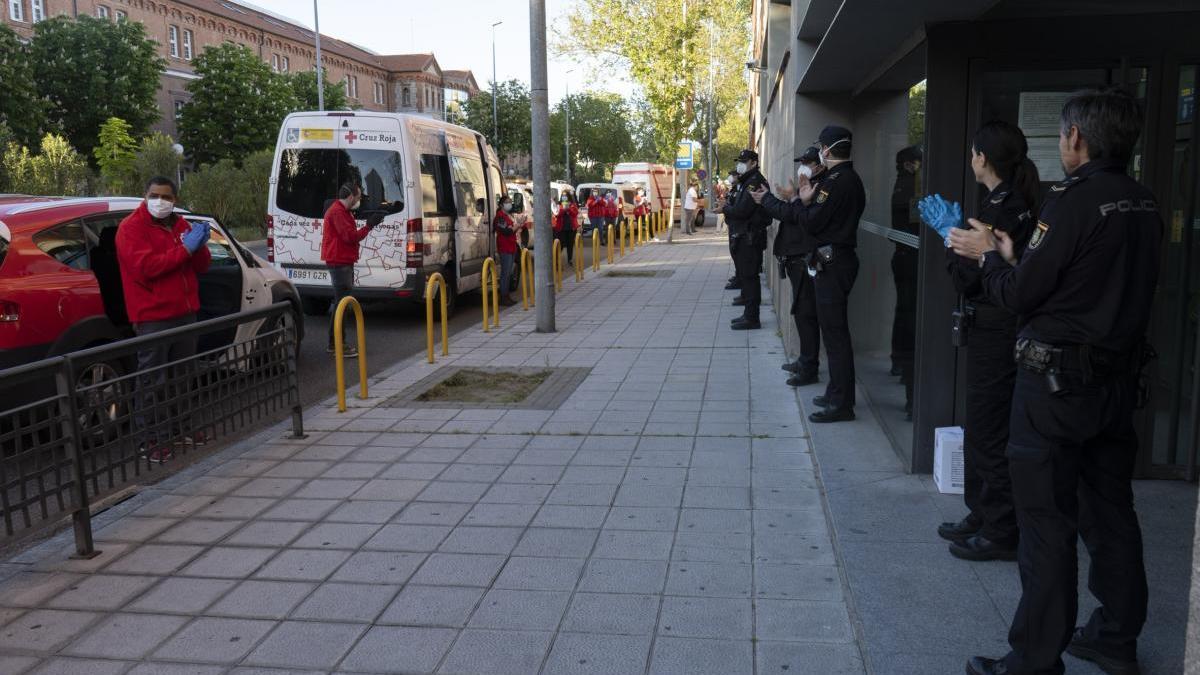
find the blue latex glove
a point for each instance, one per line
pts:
(931, 209)
(194, 238)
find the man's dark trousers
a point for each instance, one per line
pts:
(747, 261)
(991, 373)
(804, 312)
(832, 288)
(342, 279)
(1071, 457)
(157, 383)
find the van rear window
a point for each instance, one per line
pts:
(308, 178)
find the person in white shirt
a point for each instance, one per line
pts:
(689, 210)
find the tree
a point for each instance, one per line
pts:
(600, 134)
(115, 155)
(512, 102)
(234, 195)
(237, 105)
(22, 111)
(155, 156)
(89, 70)
(58, 170)
(916, 114)
(304, 86)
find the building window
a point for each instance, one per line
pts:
(406, 98)
(179, 109)
(101, 12)
(187, 44)
(173, 41)
(351, 87)
(121, 16)
(346, 85)
(275, 62)
(380, 93)
(39, 10)
(284, 65)
(16, 10)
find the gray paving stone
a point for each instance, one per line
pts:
(155, 559)
(237, 507)
(267, 533)
(688, 656)
(708, 579)
(721, 618)
(624, 576)
(370, 511)
(182, 595)
(355, 470)
(556, 542)
(611, 460)
(612, 613)
(125, 636)
(214, 640)
(229, 562)
(496, 652)
(432, 513)
(66, 666)
(391, 490)
(458, 569)
(198, 531)
(511, 493)
(729, 547)
(642, 518)
(802, 621)
(656, 476)
(793, 549)
(162, 668)
(775, 657)
(400, 537)
(17, 665)
(300, 509)
(346, 602)
(784, 498)
(582, 494)
(715, 497)
(303, 565)
(336, 536)
(432, 606)
(43, 630)
(31, 589)
(634, 545)
(798, 582)
(531, 475)
(304, 644)
(512, 515)
(568, 516)
(413, 470)
(465, 539)
(520, 610)
(330, 488)
(553, 574)
(790, 521)
(385, 567)
(269, 487)
(173, 506)
(101, 591)
(394, 649)
(261, 599)
(649, 495)
(580, 654)
(661, 458)
(471, 473)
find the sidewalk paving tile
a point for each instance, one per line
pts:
(261, 599)
(43, 630)
(387, 648)
(433, 606)
(303, 644)
(496, 652)
(214, 640)
(125, 636)
(580, 654)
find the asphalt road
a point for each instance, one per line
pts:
(395, 331)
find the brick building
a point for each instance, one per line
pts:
(183, 28)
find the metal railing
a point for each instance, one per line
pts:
(84, 425)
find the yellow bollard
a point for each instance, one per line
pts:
(579, 256)
(436, 281)
(556, 262)
(528, 290)
(621, 228)
(489, 278)
(645, 230)
(339, 349)
(608, 243)
(596, 250)
(633, 242)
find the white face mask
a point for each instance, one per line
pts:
(740, 168)
(159, 207)
(507, 207)
(804, 171)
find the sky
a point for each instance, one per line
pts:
(458, 32)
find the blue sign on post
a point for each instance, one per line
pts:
(683, 155)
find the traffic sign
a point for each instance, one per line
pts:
(701, 174)
(683, 155)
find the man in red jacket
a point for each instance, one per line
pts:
(339, 249)
(160, 254)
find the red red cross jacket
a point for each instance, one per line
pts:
(157, 272)
(339, 239)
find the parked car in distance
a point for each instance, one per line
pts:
(60, 282)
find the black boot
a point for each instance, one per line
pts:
(963, 529)
(792, 366)
(803, 378)
(1102, 655)
(979, 548)
(981, 666)
(832, 415)
(746, 323)
(739, 301)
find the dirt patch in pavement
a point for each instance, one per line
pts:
(471, 385)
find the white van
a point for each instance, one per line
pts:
(655, 178)
(438, 184)
(625, 195)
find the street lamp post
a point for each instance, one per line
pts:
(495, 115)
(567, 135)
(320, 70)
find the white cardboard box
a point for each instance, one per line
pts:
(948, 468)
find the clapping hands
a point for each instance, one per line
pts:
(194, 238)
(758, 194)
(940, 215)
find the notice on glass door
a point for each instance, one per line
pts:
(1040, 112)
(1043, 152)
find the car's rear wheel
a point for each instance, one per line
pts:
(103, 399)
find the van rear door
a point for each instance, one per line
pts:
(472, 226)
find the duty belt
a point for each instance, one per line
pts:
(1085, 361)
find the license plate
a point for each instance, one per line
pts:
(308, 275)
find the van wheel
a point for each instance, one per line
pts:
(315, 306)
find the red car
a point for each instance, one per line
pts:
(60, 286)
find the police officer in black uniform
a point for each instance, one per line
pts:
(792, 247)
(748, 235)
(1084, 290)
(904, 271)
(829, 213)
(1000, 161)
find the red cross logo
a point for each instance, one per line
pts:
(350, 136)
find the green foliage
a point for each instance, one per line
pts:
(57, 170)
(235, 195)
(304, 87)
(600, 134)
(89, 70)
(155, 156)
(115, 155)
(237, 105)
(916, 114)
(22, 111)
(513, 105)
